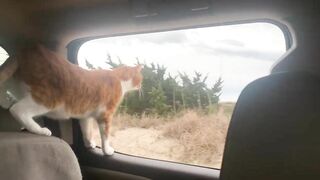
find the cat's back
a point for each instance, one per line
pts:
(38, 65)
(46, 74)
(54, 81)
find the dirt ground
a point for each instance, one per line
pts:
(146, 143)
(151, 141)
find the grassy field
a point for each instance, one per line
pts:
(189, 137)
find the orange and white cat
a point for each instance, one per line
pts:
(61, 90)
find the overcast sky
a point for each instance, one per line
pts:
(237, 53)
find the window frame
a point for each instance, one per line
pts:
(138, 162)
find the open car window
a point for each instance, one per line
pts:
(192, 79)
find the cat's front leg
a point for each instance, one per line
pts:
(104, 128)
(24, 111)
(105, 142)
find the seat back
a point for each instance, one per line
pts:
(274, 132)
(27, 156)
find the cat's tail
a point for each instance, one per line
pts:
(7, 69)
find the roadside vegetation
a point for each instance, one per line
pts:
(176, 118)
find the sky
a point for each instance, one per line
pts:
(238, 54)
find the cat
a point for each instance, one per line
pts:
(58, 89)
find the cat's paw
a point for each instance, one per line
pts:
(91, 144)
(108, 151)
(45, 131)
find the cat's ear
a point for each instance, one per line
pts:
(139, 67)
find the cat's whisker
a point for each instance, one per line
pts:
(140, 94)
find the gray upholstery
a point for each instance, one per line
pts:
(25, 156)
(275, 130)
(7, 122)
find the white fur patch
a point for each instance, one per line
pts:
(108, 150)
(24, 111)
(61, 114)
(126, 86)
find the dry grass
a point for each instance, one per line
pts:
(200, 138)
(123, 121)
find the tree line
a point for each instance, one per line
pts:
(164, 94)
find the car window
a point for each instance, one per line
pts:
(3, 55)
(192, 80)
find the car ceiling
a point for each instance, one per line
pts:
(62, 21)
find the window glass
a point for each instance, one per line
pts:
(192, 80)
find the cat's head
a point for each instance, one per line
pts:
(131, 77)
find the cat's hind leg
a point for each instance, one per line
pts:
(24, 111)
(88, 126)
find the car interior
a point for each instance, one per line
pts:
(274, 130)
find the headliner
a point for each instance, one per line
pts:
(62, 21)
